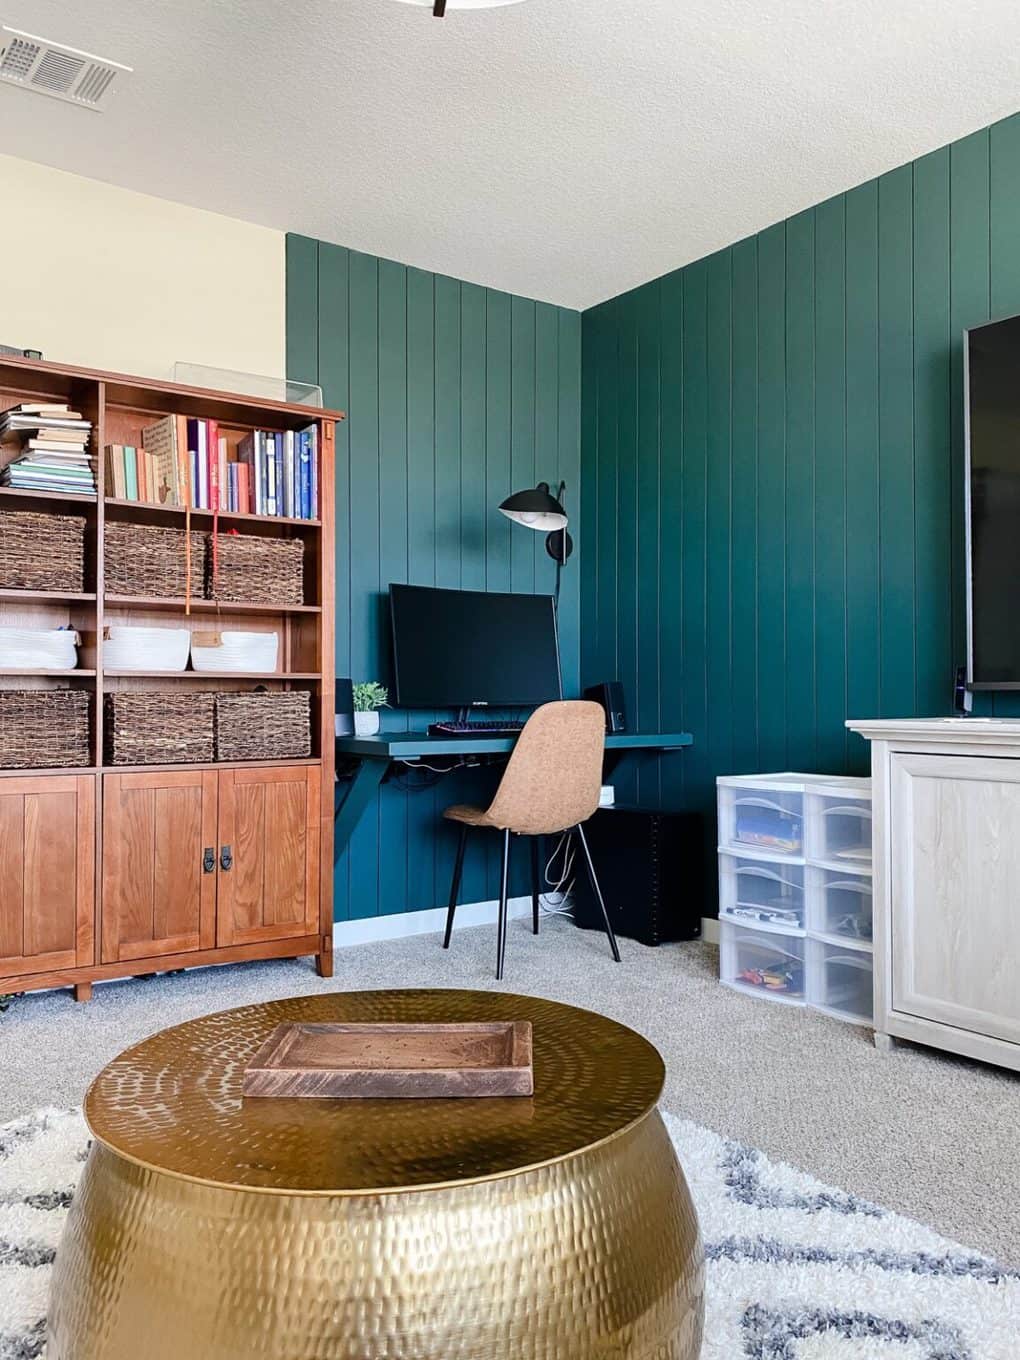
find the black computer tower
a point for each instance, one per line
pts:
(650, 868)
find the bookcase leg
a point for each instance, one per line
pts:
(83, 991)
(324, 963)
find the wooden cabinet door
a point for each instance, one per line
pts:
(954, 842)
(269, 824)
(159, 887)
(47, 873)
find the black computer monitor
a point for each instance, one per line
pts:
(473, 649)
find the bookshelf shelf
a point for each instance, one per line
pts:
(77, 674)
(301, 763)
(104, 807)
(48, 499)
(147, 511)
(175, 606)
(44, 597)
(207, 676)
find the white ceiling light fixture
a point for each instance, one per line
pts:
(439, 7)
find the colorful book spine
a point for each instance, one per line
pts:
(270, 461)
(130, 474)
(213, 456)
(313, 440)
(288, 475)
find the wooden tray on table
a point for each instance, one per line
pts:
(404, 1061)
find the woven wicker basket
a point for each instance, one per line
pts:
(143, 559)
(263, 726)
(41, 551)
(262, 570)
(44, 728)
(156, 727)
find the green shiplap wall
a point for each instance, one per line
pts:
(455, 396)
(772, 473)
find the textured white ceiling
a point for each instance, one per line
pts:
(563, 149)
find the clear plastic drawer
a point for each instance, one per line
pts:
(839, 905)
(839, 829)
(761, 963)
(766, 893)
(755, 814)
(842, 982)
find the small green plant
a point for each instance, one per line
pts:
(5, 1000)
(369, 696)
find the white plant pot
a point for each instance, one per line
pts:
(366, 724)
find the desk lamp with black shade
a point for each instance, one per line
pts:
(538, 509)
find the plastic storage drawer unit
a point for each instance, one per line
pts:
(765, 893)
(839, 905)
(841, 981)
(762, 963)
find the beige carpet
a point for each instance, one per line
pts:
(931, 1136)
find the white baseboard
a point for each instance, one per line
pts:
(406, 923)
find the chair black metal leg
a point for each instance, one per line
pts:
(504, 891)
(535, 884)
(598, 892)
(458, 868)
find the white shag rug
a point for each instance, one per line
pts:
(797, 1270)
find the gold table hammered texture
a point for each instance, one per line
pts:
(207, 1227)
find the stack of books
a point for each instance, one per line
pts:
(266, 473)
(45, 447)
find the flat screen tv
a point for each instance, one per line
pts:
(473, 649)
(992, 412)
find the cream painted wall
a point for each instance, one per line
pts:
(113, 279)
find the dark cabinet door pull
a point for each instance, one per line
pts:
(208, 860)
(226, 857)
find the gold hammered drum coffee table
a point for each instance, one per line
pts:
(212, 1227)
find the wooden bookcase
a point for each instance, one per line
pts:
(105, 870)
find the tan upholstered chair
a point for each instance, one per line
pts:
(551, 785)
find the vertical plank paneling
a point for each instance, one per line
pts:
(809, 506)
(645, 702)
(693, 511)
(771, 544)
(969, 305)
(444, 383)
(799, 510)
(670, 528)
(393, 808)
(862, 585)
(896, 439)
(626, 509)
(744, 506)
(568, 347)
(719, 509)
(933, 487)
(830, 546)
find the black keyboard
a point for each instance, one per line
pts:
(475, 729)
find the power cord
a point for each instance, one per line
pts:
(562, 885)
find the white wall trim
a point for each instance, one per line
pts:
(406, 923)
(403, 924)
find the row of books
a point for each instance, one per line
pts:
(267, 473)
(44, 446)
(132, 474)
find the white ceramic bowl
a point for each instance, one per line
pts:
(253, 652)
(129, 648)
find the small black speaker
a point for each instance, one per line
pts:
(610, 696)
(344, 708)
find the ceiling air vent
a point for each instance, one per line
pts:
(63, 72)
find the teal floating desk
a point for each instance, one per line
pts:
(374, 756)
